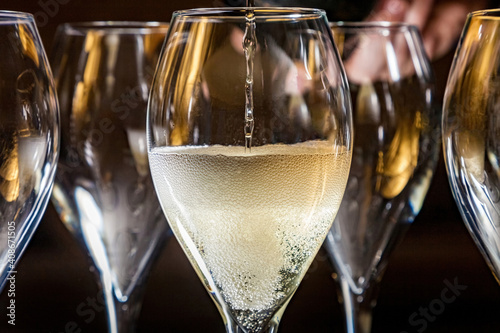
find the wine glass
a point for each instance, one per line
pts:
(103, 190)
(249, 141)
(29, 136)
(471, 132)
(395, 152)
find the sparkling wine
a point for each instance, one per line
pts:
(251, 221)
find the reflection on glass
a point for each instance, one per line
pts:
(29, 136)
(396, 134)
(471, 132)
(103, 192)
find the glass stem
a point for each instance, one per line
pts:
(358, 308)
(233, 327)
(122, 316)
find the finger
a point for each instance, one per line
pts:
(390, 10)
(419, 12)
(445, 24)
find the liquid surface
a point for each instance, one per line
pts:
(250, 222)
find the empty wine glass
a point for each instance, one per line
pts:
(471, 140)
(29, 136)
(103, 190)
(249, 140)
(395, 152)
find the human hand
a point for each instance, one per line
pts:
(440, 21)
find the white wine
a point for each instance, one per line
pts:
(251, 223)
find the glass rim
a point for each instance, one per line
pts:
(261, 13)
(117, 27)
(486, 13)
(12, 17)
(373, 25)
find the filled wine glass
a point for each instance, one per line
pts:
(249, 141)
(471, 141)
(103, 189)
(395, 151)
(29, 136)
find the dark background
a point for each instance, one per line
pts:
(54, 279)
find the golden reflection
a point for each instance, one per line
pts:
(339, 39)
(398, 163)
(84, 89)
(9, 173)
(395, 163)
(29, 48)
(476, 85)
(189, 72)
(152, 42)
